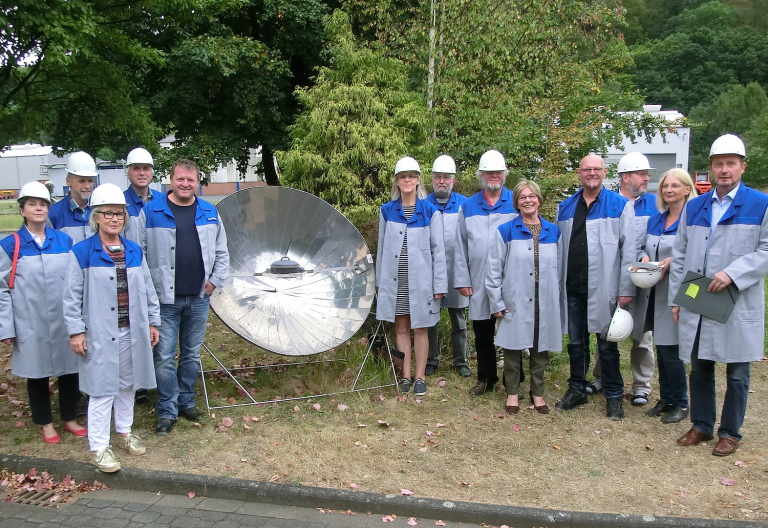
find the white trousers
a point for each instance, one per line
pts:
(100, 407)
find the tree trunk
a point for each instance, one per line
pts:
(270, 169)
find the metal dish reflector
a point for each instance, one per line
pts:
(307, 306)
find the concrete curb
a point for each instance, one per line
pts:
(307, 496)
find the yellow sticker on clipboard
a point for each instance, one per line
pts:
(692, 291)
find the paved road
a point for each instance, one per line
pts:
(141, 509)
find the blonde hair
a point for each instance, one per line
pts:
(421, 191)
(97, 209)
(684, 178)
(522, 184)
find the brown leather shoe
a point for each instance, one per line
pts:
(726, 445)
(512, 409)
(693, 437)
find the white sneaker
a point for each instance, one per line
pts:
(132, 444)
(105, 460)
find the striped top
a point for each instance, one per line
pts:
(402, 305)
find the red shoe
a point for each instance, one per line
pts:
(55, 439)
(76, 432)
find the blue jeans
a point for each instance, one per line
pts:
(672, 377)
(578, 351)
(184, 321)
(704, 398)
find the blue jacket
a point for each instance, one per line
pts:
(135, 204)
(453, 299)
(63, 217)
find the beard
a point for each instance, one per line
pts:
(442, 192)
(492, 186)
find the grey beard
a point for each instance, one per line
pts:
(491, 187)
(442, 193)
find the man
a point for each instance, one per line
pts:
(186, 250)
(448, 203)
(598, 228)
(478, 218)
(634, 170)
(140, 170)
(722, 234)
(71, 213)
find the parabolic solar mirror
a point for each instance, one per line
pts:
(301, 277)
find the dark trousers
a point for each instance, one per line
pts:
(40, 398)
(704, 396)
(485, 330)
(458, 339)
(578, 351)
(673, 385)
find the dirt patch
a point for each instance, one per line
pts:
(445, 445)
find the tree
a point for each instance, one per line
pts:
(355, 122)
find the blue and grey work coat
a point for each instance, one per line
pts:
(611, 248)
(90, 306)
(739, 247)
(157, 238)
(427, 273)
(135, 204)
(511, 285)
(63, 217)
(31, 313)
(645, 207)
(477, 224)
(453, 299)
(657, 247)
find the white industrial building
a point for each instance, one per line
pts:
(663, 153)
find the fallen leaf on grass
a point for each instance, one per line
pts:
(441, 383)
(321, 510)
(361, 425)
(382, 423)
(316, 407)
(726, 481)
(246, 426)
(412, 522)
(296, 408)
(221, 429)
(388, 518)
(499, 415)
(17, 414)
(19, 424)
(197, 424)
(246, 418)
(423, 449)
(598, 432)
(439, 523)
(401, 398)
(516, 428)
(751, 391)
(406, 492)
(227, 421)
(191, 494)
(648, 448)
(342, 407)
(740, 463)
(255, 418)
(353, 485)
(682, 495)
(232, 401)
(439, 425)
(556, 447)
(467, 484)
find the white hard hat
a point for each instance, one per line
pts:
(107, 194)
(634, 161)
(621, 325)
(645, 274)
(728, 144)
(139, 156)
(444, 164)
(407, 164)
(81, 164)
(492, 161)
(34, 189)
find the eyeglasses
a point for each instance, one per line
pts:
(523, 198)
(447, 177)
(109, 215)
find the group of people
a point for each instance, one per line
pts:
(98, 288)
(528, 281)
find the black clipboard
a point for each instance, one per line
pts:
(693, 295)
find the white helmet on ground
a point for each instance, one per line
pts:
(139, 156)
(444, 165)
(645, 274)
(632, 162)
(492, 161)
(81, 164)
(621, 325)
(407, 164)
(107, 194)
(34, 189)
(728, 144)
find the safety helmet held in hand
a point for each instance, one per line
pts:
(645, 274)
(34, 189)
(107, 194)
(621, 325)
(728, 144)
(81, 164)
(407, 164)
(139, 156)
(632, 162)
(492, 161)
(444, 165)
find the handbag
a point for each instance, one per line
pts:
(14, 262)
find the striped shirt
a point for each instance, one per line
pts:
(402, 304)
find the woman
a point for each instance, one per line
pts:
(522, 282)
(31, 317)
(675, 188)
(112, 314)
(410, 269)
